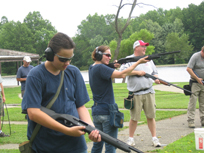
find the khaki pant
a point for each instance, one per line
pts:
(198, 91)
(145, 102)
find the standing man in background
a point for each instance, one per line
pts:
(144, 94)
(2, 100)
(195, 68)
(23, 72)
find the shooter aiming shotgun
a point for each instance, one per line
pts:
(70, 121)
(165, 82)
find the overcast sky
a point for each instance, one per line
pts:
(66, 15)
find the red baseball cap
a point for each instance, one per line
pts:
(139, 43)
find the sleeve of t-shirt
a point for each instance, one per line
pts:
(105, 71)
(18, 75)
(191, 62)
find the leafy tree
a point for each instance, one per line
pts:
(172, 14)
(97, 25)
(82, 52)
(113, 46)
(4, 20)
(156, 16)
(42, 31)
(158, 31)
(193, 19)
(94, 31)
(176, 42)
(16, 36)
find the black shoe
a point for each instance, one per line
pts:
(2, 134)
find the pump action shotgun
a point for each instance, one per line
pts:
(136, 58)
(70, 121)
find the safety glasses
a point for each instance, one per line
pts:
(106, 54)
(63, 59)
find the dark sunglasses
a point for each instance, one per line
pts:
(63, 59)
(106, 54)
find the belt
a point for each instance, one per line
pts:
(131, 92)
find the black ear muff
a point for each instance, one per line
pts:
(98, 54)
(49, 54)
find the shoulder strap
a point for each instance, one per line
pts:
(57, 93)
(37, 127)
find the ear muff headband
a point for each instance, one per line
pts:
(98, 54)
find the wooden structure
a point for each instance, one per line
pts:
(16, 56)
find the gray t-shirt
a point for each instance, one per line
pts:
(196, 63)
(136, 83)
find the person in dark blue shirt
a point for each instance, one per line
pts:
(42, 84)
(100, 80)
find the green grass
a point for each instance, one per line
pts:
(12, 95)
(10, 151)
(14, 114)
(18, 134)
(183, 145)
(164, 100)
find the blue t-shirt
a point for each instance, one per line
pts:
(23, 73)
(101, 85)
(41, 86)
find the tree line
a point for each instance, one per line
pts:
(165, 30)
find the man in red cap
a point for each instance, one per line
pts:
(144, 94)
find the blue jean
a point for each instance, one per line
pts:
(101, 122)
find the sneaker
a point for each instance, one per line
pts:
(191, 125)
(2, 134)
(130, 142)
(156, 142)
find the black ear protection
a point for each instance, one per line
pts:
(49, 54)
(98, 55)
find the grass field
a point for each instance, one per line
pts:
(164, 100)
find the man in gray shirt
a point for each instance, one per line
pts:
(144, 94)
(195, 68)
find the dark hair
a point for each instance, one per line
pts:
(100, 48)
(59, 41)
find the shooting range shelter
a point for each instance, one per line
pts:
(16, 56)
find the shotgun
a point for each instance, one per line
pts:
(165, 82)
(70, 121)
(136, 58)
